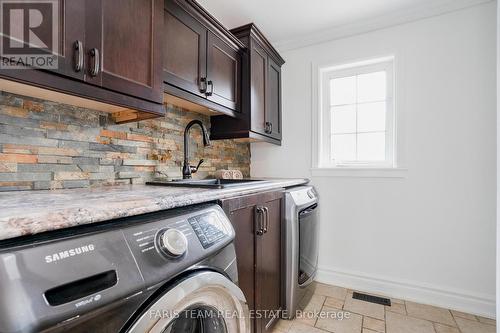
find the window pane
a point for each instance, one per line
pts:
(372, 87)
(371, 146)
(344, 119)
(371, 117)
(344, 147)
(343, 90)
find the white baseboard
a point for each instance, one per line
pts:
(482, 305)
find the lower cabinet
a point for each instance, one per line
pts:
(257, 220)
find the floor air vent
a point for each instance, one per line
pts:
(371, 299)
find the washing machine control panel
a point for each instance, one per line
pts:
(209, 228)
(167, 242)
(172, 242)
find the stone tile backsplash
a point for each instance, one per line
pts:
(47, 145)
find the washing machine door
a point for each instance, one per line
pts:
(205, 302)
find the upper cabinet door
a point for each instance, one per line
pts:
(71, 54)
(258, 74)
(273, 96)
(184, 51)
(69, 27)
(223, 73)
(124, 47)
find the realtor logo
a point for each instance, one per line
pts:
(29, 33)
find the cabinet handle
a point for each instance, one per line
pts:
(94, 54)
(266, 219)
(78, 55)
(269, 127)
(259, 210)
(211, 84)
(203, 85)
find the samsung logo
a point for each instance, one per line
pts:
(89, 300)
(69, 253)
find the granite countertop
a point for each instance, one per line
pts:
(31, 212)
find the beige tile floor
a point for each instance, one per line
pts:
(331, 303)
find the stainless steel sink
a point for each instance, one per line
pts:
(207, 183)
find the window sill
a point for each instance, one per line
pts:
(362, 172)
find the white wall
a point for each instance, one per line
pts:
(429, 236)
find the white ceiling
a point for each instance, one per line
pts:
(287, 20)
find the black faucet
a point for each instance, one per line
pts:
(187, 169)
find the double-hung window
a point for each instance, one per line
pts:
(357, 115)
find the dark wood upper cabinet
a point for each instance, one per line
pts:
(128, 57)
(223, 73)
(272, 124)
(257, 220)
(124, 48)
(110, 52)
(260, 119)
(184, 51)
(201, 59)
(258, 73)
(71, 52)
(69, 47)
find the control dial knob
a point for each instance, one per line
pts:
(172, 242)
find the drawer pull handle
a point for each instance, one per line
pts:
(266, 219)
(259, 219)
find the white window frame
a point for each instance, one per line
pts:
(323, 122)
